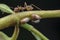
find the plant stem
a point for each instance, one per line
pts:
(3, 36)
(36, 36)
(35, 31)
(16, 32)
(11, 19)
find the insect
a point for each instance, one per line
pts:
(35, 18)
(26, 7)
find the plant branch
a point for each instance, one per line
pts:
(34, 31)
(11, 19)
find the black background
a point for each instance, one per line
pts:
(49, 27)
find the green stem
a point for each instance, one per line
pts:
(35, 31)
(11, 19)
(36, 36)
(3, 36)
(15, 34)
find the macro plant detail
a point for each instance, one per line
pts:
(21, 18)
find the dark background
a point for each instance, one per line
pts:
(49, 27)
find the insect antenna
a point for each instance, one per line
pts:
(35, 6)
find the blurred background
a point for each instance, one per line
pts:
(50, 27)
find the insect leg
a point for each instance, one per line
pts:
(35, 6)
